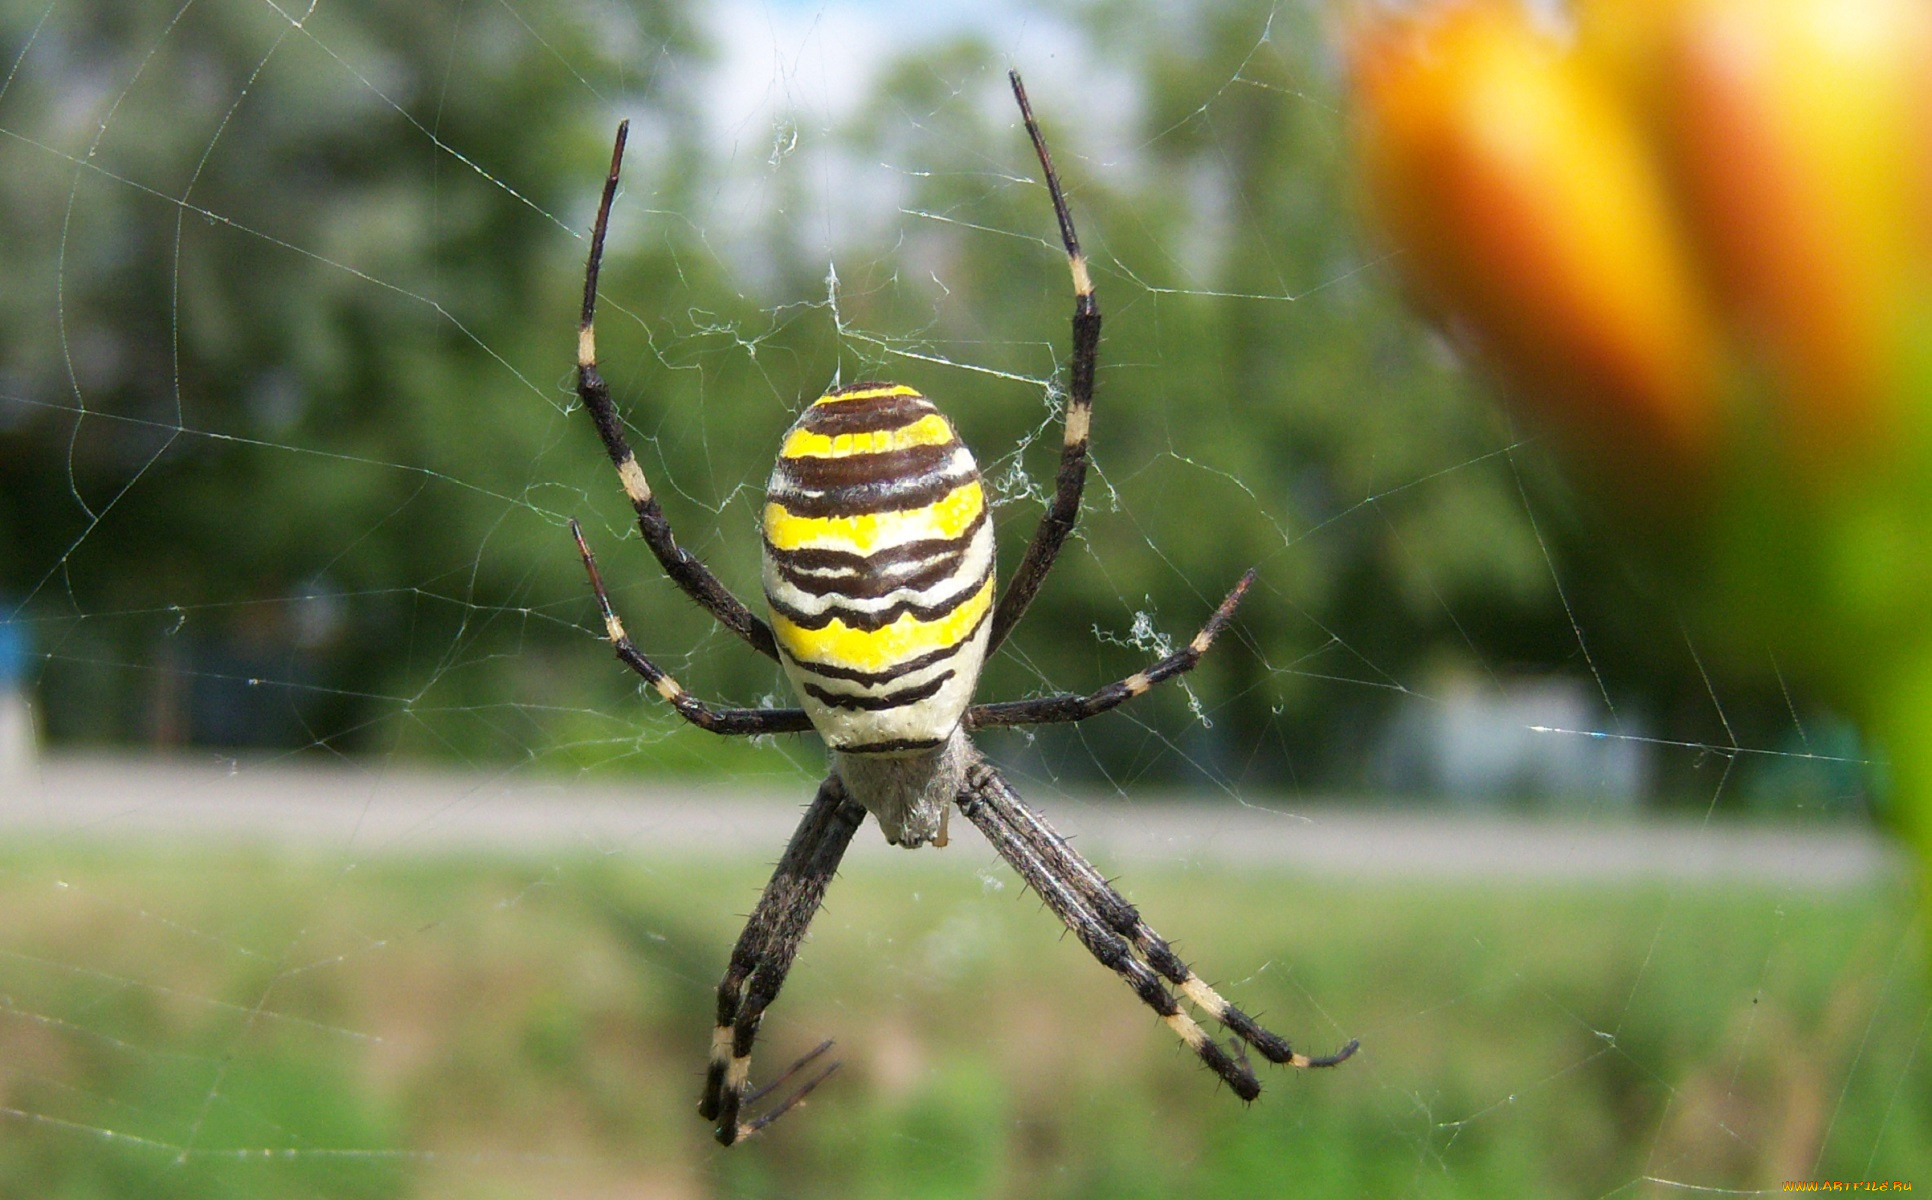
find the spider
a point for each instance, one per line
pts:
(878, 572)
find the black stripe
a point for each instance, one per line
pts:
(898, 699)
(819, 474)
(814, 558)
(871, 621)
(874, 584)
(874, 678)
(870, 415)
(886, 495)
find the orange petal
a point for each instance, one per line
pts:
(1525, 209)
(1797, 127)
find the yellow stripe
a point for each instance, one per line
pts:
(878, 649)
(861, 534)
(891, 389)
(929, 430)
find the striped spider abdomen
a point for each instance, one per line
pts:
(879, 569)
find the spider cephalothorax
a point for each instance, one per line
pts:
(879, 579)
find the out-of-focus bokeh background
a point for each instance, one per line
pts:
(341, 860)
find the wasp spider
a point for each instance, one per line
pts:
(879, 579)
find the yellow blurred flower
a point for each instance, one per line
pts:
(1528, 214)
(1687, 218)
(1698, 233)
(1795, 129)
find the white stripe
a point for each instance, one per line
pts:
(960, 583)
(930, 720)
(911, 679)
(959, 468)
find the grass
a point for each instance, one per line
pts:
(218, 1023)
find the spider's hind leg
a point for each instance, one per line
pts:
(1035, 848)
(989, 804)
(1123, 918)
(763, 957)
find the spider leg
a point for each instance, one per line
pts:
(738, 721)
(1064, 508)
(763, 956)
(989, 804)
(1048, 709)
(681, 565)
(1121, 916)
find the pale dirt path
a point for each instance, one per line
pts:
(366, 810)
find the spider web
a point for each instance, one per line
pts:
(286, 408)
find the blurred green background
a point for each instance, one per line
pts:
(287, 445)
(497, 1028)
(287, 440)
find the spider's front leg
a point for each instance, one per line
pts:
(684, 568)
(761, 960)
(1071, 478)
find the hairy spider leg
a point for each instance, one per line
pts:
(987, 803)
(1067, 866)
(744, 722)
(684, 568)
(1057, 522)
(763, 957)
